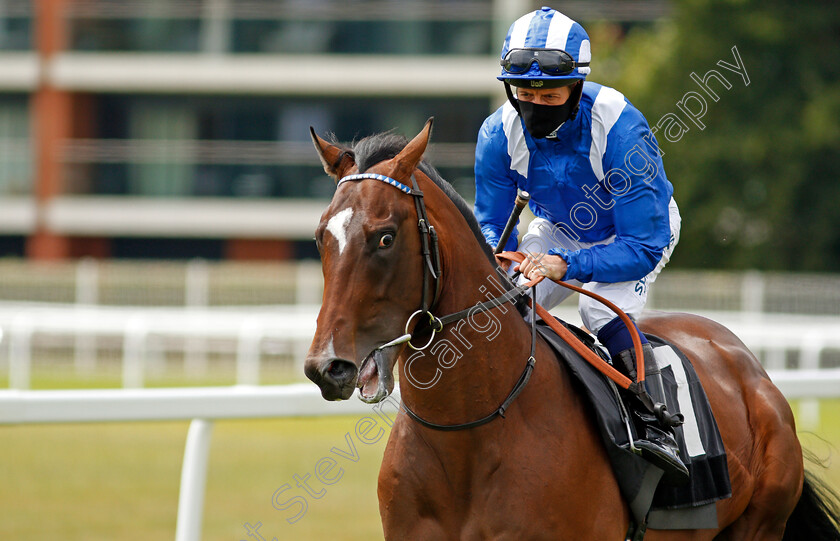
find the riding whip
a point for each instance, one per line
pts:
(522, 198)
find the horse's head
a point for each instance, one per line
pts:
(373, 270)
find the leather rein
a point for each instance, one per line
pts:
(432, 271)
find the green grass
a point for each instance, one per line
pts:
(823, 439)
(120, 481)
(107, 375)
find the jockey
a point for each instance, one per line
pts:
(605, 215)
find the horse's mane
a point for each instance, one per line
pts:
(383, 146)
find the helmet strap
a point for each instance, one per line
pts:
(577, 92)
(513, 101)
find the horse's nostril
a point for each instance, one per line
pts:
(335, 377)
(341, 370)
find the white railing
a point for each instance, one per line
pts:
(204, 405)
(251, 330)
(248, 328)
(770, 336)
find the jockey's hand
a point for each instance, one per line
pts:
(504, 263)
(552, 267)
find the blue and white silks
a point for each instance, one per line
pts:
(601, 177)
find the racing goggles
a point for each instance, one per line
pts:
(550, 61)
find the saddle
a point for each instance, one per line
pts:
(658, 505)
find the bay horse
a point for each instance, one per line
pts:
(397, 243)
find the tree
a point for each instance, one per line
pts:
(757, 176)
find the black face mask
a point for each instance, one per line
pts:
(542, 120)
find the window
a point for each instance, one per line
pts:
(285, 27)
(16, 25)
(256, 147)
(16, 154)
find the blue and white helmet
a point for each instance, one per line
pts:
(546, 29)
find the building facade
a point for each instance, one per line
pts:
(180, 128)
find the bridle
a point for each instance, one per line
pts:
(432, 271)
(429, 248)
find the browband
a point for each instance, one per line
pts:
(387, 180)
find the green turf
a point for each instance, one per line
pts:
(120, 481)
(822, 439)
(108, 376)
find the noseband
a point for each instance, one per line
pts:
(432, 270)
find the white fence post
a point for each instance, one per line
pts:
(193, 481)
(87, 281)
(299, 349)
(248, 349)
(197, 289)
(216, 27)
(752, 292)
(809, 359)
(775, 359)
(134, 352)
(87, 294)
(309, 281)
(197, 284)
(2, 347)
(20, 352)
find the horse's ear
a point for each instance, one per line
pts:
(335, 160)
(406, 161)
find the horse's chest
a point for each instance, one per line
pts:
(496, 491)
(486, 500)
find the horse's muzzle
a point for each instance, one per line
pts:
(336, 378)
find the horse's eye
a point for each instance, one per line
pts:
(386, 240)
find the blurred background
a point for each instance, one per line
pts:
(159, 194)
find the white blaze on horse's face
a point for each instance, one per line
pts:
(329, 351)
(338, 225)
